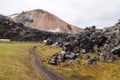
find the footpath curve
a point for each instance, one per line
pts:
(36, 62)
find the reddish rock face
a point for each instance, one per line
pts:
(42, 20)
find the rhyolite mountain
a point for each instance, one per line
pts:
(43, 20)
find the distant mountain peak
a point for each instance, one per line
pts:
(43, 20)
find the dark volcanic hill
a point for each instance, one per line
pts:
(42, 20)
(19, 32)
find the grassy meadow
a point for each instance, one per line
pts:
(15, 64)
(14, 61)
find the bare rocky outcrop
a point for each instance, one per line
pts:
(106, 43)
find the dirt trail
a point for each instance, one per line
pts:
(41, 68)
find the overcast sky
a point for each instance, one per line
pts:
(81, 13)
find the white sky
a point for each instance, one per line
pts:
(81, 13)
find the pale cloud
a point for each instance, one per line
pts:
(81, 13)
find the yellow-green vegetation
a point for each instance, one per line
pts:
(80, 70)
(15, 64)
(14, 61)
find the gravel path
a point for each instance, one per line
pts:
(36, 62)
